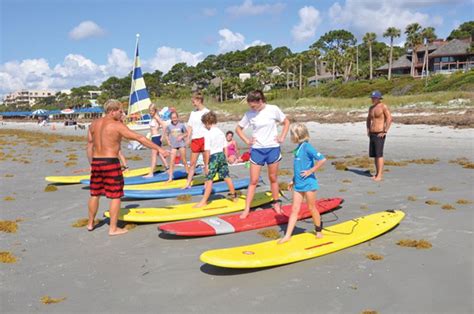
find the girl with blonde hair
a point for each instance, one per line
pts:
(155, 125)
(304, 183)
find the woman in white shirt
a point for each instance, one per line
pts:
(155, 125)
(265, 143)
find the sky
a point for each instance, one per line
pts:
(59, 44)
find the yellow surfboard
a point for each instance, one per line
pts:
(306, 245)
(187, 211)
(175, 184)
(77, 179)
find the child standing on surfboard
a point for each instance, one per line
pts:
(304, 183)
(215, 161)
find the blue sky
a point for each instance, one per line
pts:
(59, 44)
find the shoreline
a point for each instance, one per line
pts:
(459, 118)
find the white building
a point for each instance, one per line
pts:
(26, 97)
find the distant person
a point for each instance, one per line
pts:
(265, 143)
(232, 150)
(155, 125)
(304, 183)
(175, 134)
(379, 120)
(196, 132)
(103, 145)
(215, 162)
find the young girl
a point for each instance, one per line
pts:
(231, 151)
(263, 118)
(155, 124)
(175, 134)
(304, 184)
(214, 158)
(196, 132)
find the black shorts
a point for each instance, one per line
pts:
(376, 145)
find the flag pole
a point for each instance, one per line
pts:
(132, 85)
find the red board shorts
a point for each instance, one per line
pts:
(197, 145)
(106, 178)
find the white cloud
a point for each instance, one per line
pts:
(231, 41)
(86, 29)
(209, 12)
(309, 21)
(166, 57)
(76, 70)
(377, 16)
(248, 8)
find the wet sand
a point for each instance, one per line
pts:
(145, 272)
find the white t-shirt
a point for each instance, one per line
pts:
(264, 125)
(196, 124)
(214, 140)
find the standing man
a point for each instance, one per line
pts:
(378, 124)
(103, 145)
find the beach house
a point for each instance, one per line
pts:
(443, 57)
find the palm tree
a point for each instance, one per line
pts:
(301, 58)
(221, 75)
(368, 39)
(286, 64)
(391, 32)
(314, 54)
(332, 56)
(428, 34)
(348, 58)
(414, 39)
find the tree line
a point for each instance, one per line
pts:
(344, 57)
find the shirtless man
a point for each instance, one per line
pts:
(379, 120)
(103, 146)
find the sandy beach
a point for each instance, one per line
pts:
(145, 272)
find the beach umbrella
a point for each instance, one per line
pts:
(39, 112)
(67, 111)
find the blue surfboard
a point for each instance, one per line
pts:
(157, 177)
(195, 190)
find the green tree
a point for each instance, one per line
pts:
(251, 84)
(428, 34)
(314, 55)
(465, 30)
(332, 57)
(369, 39)
(414, 39)
(391, 32)
(287, 64)
(278, 55)
(338, 40)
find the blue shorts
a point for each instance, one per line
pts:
(157, 140)
(262, 156)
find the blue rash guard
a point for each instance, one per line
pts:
(305, 155)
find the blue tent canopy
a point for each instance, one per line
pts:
(50, 112)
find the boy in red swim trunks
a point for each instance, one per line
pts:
(103, 146)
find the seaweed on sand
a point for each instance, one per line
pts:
(374, 257)
(8, 226)
(50, 188)
(419, 244)
(48, 300)
(270, 234)
(7, 257)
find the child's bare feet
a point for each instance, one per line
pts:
(284, 239)
(277, 206)
(117, 231)
(150, 175)
(319, 235)
(244, 214)
(200, 204)
(377, 178)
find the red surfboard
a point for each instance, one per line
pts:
(232, 223)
